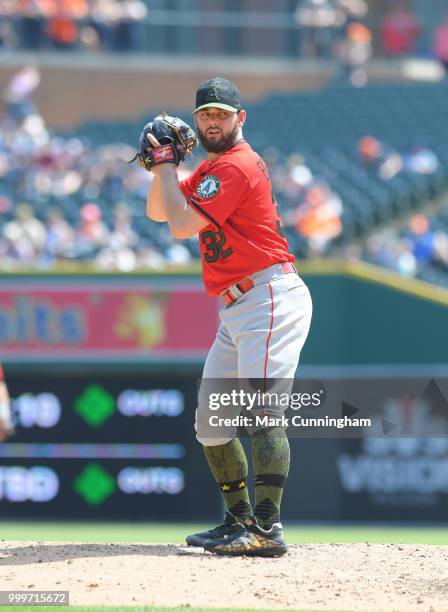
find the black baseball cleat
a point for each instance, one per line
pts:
(228, 528)
(251, 540)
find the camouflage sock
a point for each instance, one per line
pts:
(270, 452)
(228, 464)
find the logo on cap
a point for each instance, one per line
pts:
(212, 94)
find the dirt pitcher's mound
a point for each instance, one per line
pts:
(364, 577)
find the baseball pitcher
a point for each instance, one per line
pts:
(228, 202)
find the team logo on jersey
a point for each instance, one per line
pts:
(208, 187)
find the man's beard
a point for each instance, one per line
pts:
(221, 145)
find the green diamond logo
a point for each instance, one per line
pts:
(95, 405)
(94, 484)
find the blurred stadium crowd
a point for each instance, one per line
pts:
(356, 174)
(348, 30)
(114, 25)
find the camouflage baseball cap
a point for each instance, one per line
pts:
(218, 93)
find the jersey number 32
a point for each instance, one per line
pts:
(215, 246)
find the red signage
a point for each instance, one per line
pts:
(106, 320)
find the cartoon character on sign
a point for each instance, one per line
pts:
(142, 320)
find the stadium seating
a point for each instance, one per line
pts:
(324, 127)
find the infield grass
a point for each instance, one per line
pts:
(155, 533)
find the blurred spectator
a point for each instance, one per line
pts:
(149, 257)
(421, 238)
(399, 30)
(379, 158)
(119, 253)
(78, 9)
(89, 39)
(5, 205)
(421, 160)
(62, 25)
(25, 236)
(370, 151)
(129, 32)
(298, 172)
(406, 264)
(385, 249)
(427, 246)
(104, 15)
(440, 43)
(122, 231)
(354, 52)
(19, 92)
(290, 179)
(178, 254)
(62, 30)
(31, 22)
(31, 227)
(59, 242)
(414, 252)
(318, 219)
(8, 36)
(353, 9)
(115, 257)
(317, 20)
(92, 232)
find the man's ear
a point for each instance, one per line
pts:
(241, 118)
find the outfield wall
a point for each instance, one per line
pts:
(361, 316)
(103, 373)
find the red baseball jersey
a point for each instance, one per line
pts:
(245, 232)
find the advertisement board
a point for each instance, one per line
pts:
(99, 446)
(105, 320)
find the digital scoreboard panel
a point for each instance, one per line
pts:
(97, 444)
(104, 446)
